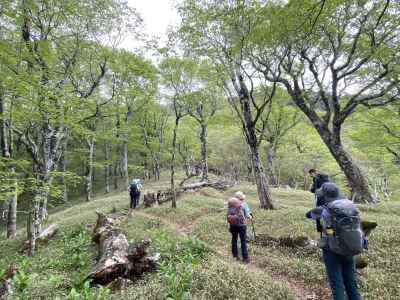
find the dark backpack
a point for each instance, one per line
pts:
(236, 216)
(343, 230)
(134, 190)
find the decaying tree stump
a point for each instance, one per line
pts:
(118, 259)
(161, 196)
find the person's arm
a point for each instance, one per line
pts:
(246, 209)
(315, 213)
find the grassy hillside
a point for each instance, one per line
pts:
(195, 242)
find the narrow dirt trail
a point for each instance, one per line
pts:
(301, 289)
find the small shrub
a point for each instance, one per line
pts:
(77, 248)
(88, 293)
(177, 268)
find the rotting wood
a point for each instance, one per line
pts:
(117, 259)
(161, 196)
(308, 244)
(44, 236)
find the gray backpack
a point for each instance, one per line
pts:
(344, 233)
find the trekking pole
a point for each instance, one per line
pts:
(252, 225)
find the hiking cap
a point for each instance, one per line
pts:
(240, 195)
(329, 191)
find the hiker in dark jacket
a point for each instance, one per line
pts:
(134, 194)
(341, 269)
(236, 217)
(318, 180)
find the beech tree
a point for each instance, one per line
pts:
(332, 58)
(201, 105)
(57, 65)
(153, 124)
(219, 31)
(179, 77)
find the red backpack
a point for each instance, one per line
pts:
(235, 216)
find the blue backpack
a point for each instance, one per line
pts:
(343, 229)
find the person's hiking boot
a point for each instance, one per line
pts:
(246, 260)
(236, 258)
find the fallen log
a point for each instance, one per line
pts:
(219, 185)
(44, 236)
(162, 196)
(309, 244)
(117, 259)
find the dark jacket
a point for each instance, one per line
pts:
(318, 181)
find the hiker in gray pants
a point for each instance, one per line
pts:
(341, 269)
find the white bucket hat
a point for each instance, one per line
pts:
(240, 195)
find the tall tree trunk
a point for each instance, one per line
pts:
(128, 115)
(89, 169)
(115, 175)
(271, 156)
(125, 162)
(173, 156)
(203, 152)
(12, 211)
(251, 139)
(329, 131)
(261, 180)
(42, 194)
(63, 167)
(107, 166)
(157, 169)
(358, 184)
(3, 127)
(6, 153)
(37, 211)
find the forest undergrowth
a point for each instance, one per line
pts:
(194, 243)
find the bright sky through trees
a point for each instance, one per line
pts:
(157, 16)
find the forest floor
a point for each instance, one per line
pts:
(274, 272)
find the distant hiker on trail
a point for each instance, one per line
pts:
(236, 218)
(318, 180)
(341, 240)
(134, 193)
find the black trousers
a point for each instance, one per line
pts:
(239, 231)
(134, 200)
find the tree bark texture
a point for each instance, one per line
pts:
(173, 157)
(63, 167)
(203, 151)
(91, 143)
(357, 181)
(118, 259)
(271, 157)
(251, 139)
(107, 167)
(125, 162)
(12, 214)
